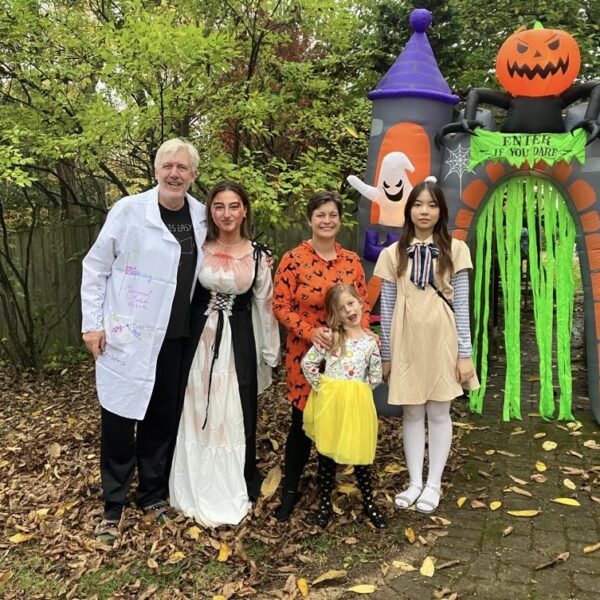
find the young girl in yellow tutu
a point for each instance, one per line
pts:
(340, 415)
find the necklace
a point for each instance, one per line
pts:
(230, 245)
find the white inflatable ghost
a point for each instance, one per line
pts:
(393, 188)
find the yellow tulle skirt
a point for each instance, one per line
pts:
(342, 421)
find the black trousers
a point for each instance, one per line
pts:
(297, 452)
(148, 443)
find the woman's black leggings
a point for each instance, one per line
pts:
(297, 452)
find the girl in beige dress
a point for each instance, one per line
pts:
(426, 339)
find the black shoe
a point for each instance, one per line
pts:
(288, 503)
(375, 515)
(323, 516)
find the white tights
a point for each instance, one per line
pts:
(440, 438)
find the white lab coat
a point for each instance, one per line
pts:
(127, 289)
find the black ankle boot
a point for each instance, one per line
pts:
(370, 509)
(323, 515)
(375, 515)
(288, 503)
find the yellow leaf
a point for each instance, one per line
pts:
(593, 444)
(566, 501)
(593, 548)
(271, 482)
(461, 501)
(490, 452)
(19, 538)
(224, 553)
(495, 505)
(518, 490)
(329, 575)
(523, 513)
(175, 557)
(302, 587)
(403, 566)
(394, 468)
(219, 597)
(517, 480)
(441, 521)
(193, 532)
(347, 488)
(574, 425)
(427, 567)
(540, 466)
(365, 588)
(569, 484)
(548, 446)
(537, 436)
(351, 131)
(410, 535)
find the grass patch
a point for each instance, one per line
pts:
(256, 549)
(29, 578)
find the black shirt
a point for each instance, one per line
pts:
(179, 223)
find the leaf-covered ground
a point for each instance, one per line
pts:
(50, 503)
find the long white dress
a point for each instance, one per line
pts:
(208, 480)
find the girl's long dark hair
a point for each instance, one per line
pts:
(441, 234)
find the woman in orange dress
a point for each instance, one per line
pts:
(303, 278)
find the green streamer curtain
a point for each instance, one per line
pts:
(536, 202)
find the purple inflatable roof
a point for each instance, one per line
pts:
(415, 72)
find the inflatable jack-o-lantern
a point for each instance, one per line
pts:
(538, 62)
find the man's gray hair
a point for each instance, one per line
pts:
(174, 145)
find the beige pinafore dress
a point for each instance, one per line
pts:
(424, 341)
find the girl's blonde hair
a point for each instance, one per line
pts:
(334, 315)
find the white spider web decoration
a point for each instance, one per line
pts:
(458, 162)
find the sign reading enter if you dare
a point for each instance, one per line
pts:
(529, 148)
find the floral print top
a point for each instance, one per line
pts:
(360, 361)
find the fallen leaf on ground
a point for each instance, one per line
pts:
(508, 530)
(441, 521)
(540, 466)
(54, 449)
(537, 436)
(475, 504)
(521, 492)
(549, 445)
(410, 535)
(461, 501)
(447, 565)
(394, 468)
(5, 576)
(495, 505)
(523, 513)
(569, 484)
(175, 557)
(329, 575)
(593, 444)
(19, 538)
(589, 549)
(538, 478)
(566, 501)
(427, 567)
(575, 453)
(507, 453)
(348, 489)
(403, 566)
(224, 553)
(271, 482)
(364, 588)
(490, 452)
(562, 557)
(302, 587)
(517, 480)
(193, 532)
(148, 592)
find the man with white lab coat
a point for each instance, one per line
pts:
(138, 280)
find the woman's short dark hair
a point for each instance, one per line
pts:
(323, 198)
(228, 186)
